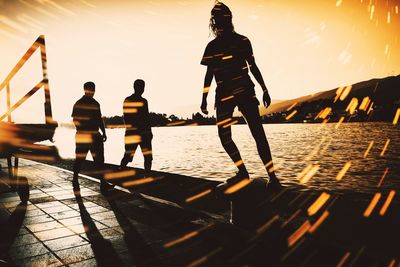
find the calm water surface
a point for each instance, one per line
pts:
(196, 151)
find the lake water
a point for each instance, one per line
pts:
(196, 151)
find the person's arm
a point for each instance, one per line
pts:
(147, 113)
(124, 107)
(102, 127)
(257, 75)
(75, 117)
(207, 83)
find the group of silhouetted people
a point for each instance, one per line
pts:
(228, 59)
(88, 121)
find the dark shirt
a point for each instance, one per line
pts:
(136, 114)
(226, 56)
(87, 113)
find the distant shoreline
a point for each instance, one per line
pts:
(193, 125)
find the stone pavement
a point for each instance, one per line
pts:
(60, 228)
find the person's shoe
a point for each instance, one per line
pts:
(274, 184)
(240, 175)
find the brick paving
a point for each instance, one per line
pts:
(59, 228)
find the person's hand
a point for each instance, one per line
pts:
(104, 137)
(203, 107)
(266, 99)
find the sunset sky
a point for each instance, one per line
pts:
(301, 47)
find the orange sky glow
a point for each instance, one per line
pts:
(301, 47)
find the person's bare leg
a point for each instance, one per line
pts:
(97, 151)
(130, 150)
(252, 116)
(77, 168)
(125, 160)
(225, 135)
(147, 166)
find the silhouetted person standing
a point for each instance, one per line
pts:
(228, 58)
(138, 128)
(87, 119)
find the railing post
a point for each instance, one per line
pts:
(8, 102)
(47, 104)
(39, 43)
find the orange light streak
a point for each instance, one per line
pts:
(365, 103)
(318, 203)
(308, 173)
(130, 110)
(324, 113)
(223, 121)
(339, 122)
(119, 174)
(346, 92)
(176, 123)
(84, 138)
(385, 147)
(268, 224)
(227, 57)
(133, 104)
(372, 205)
(382, 178)
(294, 215)
(344, 259)
(140, 181)
(299, 233)
(339, 92)
(268, 164)
(133, 139)
(320, 220)
(190, 199)
(396, 117)
(230, 124)
(387, 202)
(351, 108)
(227, 98)
(343, 171)
(371, 16)
(181, 239)
(35, 157)
(237, 187)
(204, 259)
(291, 115)
(371, 108)
(368, 149)
(147, 152)
(291, 107)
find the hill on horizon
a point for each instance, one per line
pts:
(383, 92)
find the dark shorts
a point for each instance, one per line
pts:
(247, 105)
(92, 142)
(133, 139)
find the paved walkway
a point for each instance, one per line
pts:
(58, 227)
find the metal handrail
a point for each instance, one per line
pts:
(39, 43)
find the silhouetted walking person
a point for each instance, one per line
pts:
(87, 119)
(228, 58)
(138, 128)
